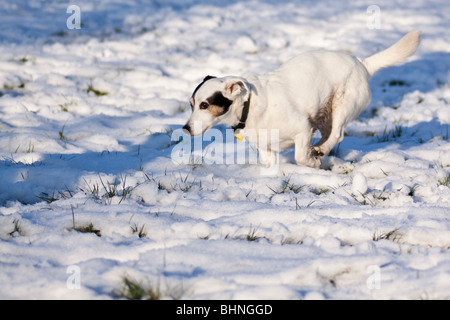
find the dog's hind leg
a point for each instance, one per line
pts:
(336, 136)
(346, 106)
(342, 115)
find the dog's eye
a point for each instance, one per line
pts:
(204, 105)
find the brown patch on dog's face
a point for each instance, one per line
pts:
(217, 111)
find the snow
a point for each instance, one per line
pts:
(372, 224)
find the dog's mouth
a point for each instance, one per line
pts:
(207, 128)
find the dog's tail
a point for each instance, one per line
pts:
(394, 55)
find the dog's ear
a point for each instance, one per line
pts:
(235, 88)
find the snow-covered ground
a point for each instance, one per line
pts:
(86, 120)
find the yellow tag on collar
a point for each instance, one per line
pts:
(239, 137)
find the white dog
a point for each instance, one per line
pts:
(317, 90)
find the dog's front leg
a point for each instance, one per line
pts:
(303, 149)
(267, 157)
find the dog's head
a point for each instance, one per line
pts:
(217, 101)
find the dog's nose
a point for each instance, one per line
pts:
(187, 128)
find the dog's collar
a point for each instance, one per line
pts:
(244, 116)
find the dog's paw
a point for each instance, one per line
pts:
(316, 162)
(317, 152)
(267, 158)
(313, 162)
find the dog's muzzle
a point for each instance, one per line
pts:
(187, 128)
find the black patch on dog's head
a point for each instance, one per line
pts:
(219, 100)
(218, 104)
